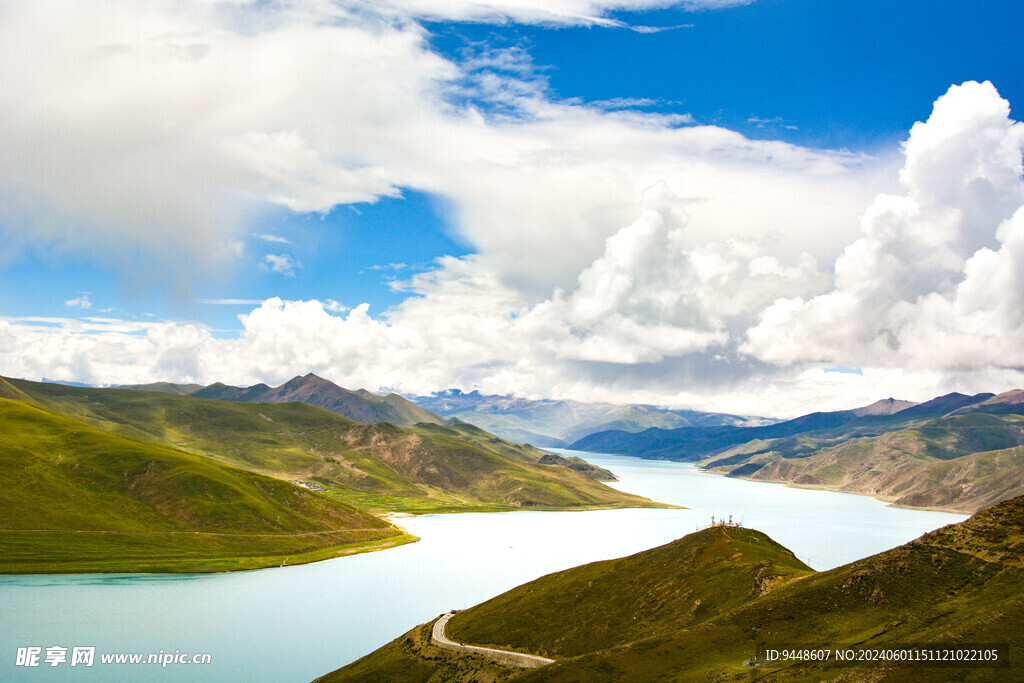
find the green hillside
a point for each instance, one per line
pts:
(165, 387)
(595, 607)
(963, 462)
(438, 469)
(669, 588)
(8, 390)
(702, 607)
(76, 498)
(960, 584)
(412, 659)
(377, 467)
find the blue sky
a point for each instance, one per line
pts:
(490, 156)
(842, 74)
(350, 254)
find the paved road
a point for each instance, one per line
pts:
(501, 656)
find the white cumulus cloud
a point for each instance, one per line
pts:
(934, 280)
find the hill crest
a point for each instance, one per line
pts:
(359, 405)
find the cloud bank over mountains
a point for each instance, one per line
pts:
(619, 255)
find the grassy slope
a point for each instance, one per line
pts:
(957, 584)
(77, 498)
(378, 467)
(668, 588)
(412, 659)
(481, 438)
(580, 465)
(961, 462)
(165, 387)
(595, 606)
(449, 473)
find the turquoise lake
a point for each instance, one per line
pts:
(297, 623)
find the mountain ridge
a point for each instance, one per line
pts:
(963, 461)
(359, 405)
(693, 443)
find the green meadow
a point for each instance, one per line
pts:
(75, 498)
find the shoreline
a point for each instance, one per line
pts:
(890, 501)
(158, 567)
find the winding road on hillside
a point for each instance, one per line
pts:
(501, 656)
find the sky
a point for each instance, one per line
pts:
(764, 207)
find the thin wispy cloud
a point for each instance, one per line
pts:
(81, 301)
(657, 29)
(282, 263)
(389, 267)
(271, 238)
(774, 122)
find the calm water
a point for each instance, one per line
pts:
(296, 623)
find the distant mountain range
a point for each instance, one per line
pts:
(558, 423)
(703, 607)
(695, 443)
(360, 405)
(953, 452)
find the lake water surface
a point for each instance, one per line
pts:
(296, 623)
